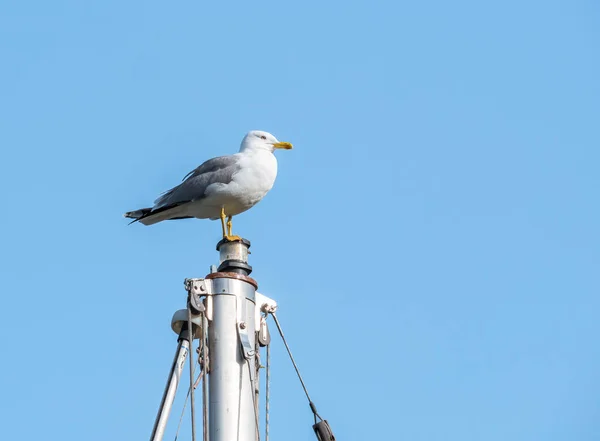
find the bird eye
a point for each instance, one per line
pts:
(263, 137)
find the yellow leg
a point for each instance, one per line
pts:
(229, 226)
(227, 233)
(223, 221)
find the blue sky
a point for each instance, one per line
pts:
(432, 240)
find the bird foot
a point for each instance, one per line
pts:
(231, 238)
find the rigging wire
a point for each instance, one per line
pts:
(198, 378)
(255, 402)
(202, 361)
(192, 368)
(205, 369)
(267, 391)
(257, 385)
(313, 408)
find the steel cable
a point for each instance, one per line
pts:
(313, 408)
(192, 367)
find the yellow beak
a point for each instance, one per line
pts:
(283, 145)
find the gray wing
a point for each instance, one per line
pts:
(195, 183)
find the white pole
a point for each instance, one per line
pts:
(172, 382)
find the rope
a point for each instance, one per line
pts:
(313, 408)
(257, 386)
(192, 367)
(198, 378)
(267, 391)
(203, 362)
(202, 376)
(204, 352)
(254, 402)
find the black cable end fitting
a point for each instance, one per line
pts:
(235, 266)
(184, 334)
(323, 431)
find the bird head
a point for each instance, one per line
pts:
(257, 140)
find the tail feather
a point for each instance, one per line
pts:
(136, 215)
(148, 216)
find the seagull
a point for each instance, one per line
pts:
(221, 187)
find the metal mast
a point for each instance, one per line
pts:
(232, 347)
(226, 307)
(226, 312)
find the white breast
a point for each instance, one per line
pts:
(258, 170)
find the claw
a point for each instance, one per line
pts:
(232, 238)
(227, 227)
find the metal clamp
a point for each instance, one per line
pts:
(265, 305)
(197, 288)
(247, 348)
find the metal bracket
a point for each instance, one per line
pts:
(263, 304)
(198, 288)
(247, 348)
